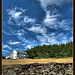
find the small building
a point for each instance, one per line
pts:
(17, 54)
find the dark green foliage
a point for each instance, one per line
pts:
(51, 51)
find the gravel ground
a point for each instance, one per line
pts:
(39, 69)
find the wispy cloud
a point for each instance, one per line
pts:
(48, 38)
(44, 3)
(5, 51)
(52, 21)
(27, 19)
(17, 16)
(7, 33)
(66, 24)
(28, 46)
(52, 40)
(13, 43)
(23, 44)
(49, 20)
(38, 29)
(14, 14)
(6, 46)
(41, 38)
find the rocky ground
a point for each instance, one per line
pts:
(39, 69)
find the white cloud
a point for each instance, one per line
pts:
(28, 46)
(15, 32)
(52, 40)
(23, 44)
(44, 3)
(60, 35)
(66, 24)
(6, 46)
(49, 20)
(13, 13)
(38, 29)
(41, 38)
(13, 43)
(23, 39)
(46, 38)
(52, 34)
(52, 21)
(18, 15)
(5, 51)
(27, 19)
(64, 38)
(7, 33)
(19, 33)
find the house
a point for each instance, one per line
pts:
(17, 54)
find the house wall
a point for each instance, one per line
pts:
(6, 57)
(16, 55)
(21, 55)
(11, 56)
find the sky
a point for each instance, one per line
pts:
(28, 23)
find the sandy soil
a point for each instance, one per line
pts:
(30, 61)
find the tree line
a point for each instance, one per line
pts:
(51, 51)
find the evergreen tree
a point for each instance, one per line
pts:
(51, 51)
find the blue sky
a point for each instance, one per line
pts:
(28, 23)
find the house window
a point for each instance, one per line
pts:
(18, 53)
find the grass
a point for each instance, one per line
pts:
(30, 61)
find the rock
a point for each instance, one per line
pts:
(9, 72)
(40, 69)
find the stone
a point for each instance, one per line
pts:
(9, 72)
(40, 69)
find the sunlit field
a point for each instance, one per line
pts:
(30, 61)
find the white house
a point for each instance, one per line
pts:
(17, 54)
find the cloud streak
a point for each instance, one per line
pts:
(5, 51)
(44, 3)
(6, 46)
(13, 43)
(38, 29)
(17, 16)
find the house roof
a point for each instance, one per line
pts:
(21, 51)
(18, 51)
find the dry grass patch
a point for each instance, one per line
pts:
(30, 61)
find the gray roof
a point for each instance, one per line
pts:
(18, 51)
(21, 51)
